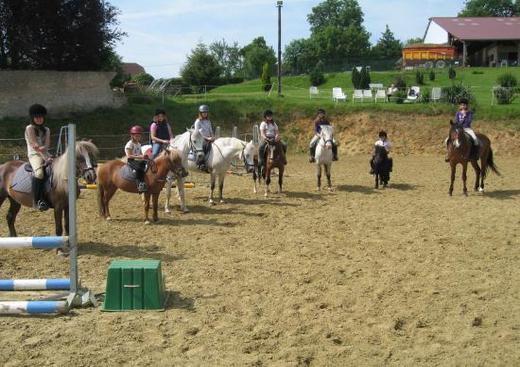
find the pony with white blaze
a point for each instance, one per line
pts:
(223, 152)
(323, 156)
(250, 157)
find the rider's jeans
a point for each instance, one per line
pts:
(37, 164)
(156, 149)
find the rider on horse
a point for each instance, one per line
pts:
(270, 135)
(38, 139)
(464, 118)
(385, 143)
(321, 120)
(203, 126)
(160, 132)
(136, 159)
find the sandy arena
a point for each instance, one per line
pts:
(398, 276)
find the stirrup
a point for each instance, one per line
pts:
(141, 187)
(42, 205)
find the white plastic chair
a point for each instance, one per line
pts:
(380, 95)
(313, 91)
(358, 94)
(436, 94)
(413, 94)
(375, 86)
(367, 94)
(338, 95)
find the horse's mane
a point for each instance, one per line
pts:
(59, 166)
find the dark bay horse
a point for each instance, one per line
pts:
(274, 158)
(459, 151)
(56, 192)
(381, 165)
(109, 180)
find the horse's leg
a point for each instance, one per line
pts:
(328, 167)
(221, 178)
(465, 177)
(477, 174)
(212, 188)
(483, 169)
(181, 194)
(267, 180)
(146, 207)
(155, 206)
(58, 219)
(14, 208)
(318, 176)
(109, 193)
(254, 181)
(280, 179)
(168, 186)
(452, 177)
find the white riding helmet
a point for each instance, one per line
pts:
(204, 108)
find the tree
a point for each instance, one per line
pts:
(58, 34)
(364, 78)
(256, 54)
(266, 77)
(490, 8)
(316, 75)
(336, 13)
(201, 67)
(143, 79)
(413, 41)
(228, 57)
(356, 78)
(299, 56)
(387, 47)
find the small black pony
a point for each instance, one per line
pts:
(381, 166)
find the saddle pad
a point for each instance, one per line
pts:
(127, 173)
(23, 180)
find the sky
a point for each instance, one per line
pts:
(161, 33)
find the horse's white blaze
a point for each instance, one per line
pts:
(457, 143)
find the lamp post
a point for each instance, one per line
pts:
(279, 5)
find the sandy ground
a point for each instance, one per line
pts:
(402, 276)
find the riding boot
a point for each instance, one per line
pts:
(38, 189)
(312, 153)
(334, 152)
(475, 152)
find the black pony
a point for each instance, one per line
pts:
(381, 166)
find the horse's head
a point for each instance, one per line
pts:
(86, 153)
(456, 134)
(250, 156)
(175, 161)
(327, 135)
(196, 142)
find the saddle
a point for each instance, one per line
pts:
(127, 173)
(22, 181)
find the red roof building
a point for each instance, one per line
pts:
(478, 41)
(132, 68)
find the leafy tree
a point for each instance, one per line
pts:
(356, 78)
(266, 77)
(412, 41)
(201, 68)
(228, 57)
(316, 76)
(364, 79)
(58, 34)
(143, 79)
(432, 75)
(300, 56)
(336, 13)
(490, 8)
(387, 47)
(256, 54)
(452, 74)
(419, 77)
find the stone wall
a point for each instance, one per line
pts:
(62, 92)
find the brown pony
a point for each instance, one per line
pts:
(109, 180)
(274, 158)
(459, 151)
(57, 193)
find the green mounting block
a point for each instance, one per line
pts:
(134, 285)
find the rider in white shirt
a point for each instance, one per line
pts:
(269, 132)
(382, 142)
(203, 126)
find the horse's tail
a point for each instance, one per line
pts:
(491, 163)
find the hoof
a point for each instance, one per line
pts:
(331, 189)
(146, 222)
(222, 202)
(211, 203)
(480, 189)
(167, 210)
(108, 219)
(265, 195)
(318, 188)
(184, 210)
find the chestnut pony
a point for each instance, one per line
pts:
(109, 180)
(459, 149)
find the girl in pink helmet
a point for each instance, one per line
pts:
(136, 159)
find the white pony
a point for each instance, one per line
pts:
(223, 152)
(250, 156)
(323, 155)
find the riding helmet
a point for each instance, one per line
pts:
(136, 130)
(268, 113)
(160, 111)
(37, 110)
(382, 134)
(204, 108)
(463, 100)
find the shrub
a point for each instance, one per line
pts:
(316, 76)
(425, 96)
(504, 95)
(143, 79)
(400, 83)
(457, 91)
(400, 96)
(507, 80)
(356, 77)
(432, 75)
(419, 77)
(364, 79)
(266, 77)
(452, 74)
(477, 72)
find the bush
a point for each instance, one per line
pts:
(504, 95)
(477, 72)
(419, 77)
(400, 96)
(452, 74)
(356, 77)
(457, 91)
(400, 83)
(432, 75)
(143, 79)
(364, 78)
(316, 75)
(425, 96)
(266, 77)
(507, 80)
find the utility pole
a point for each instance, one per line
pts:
(279, 5)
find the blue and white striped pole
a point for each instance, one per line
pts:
(32, 307)
(50, 242)
(34, 284)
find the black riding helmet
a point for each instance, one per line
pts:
(37, 110)
(268, 113)
(321, 110)
(382, 134)
(463, 101)
(160, 111)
